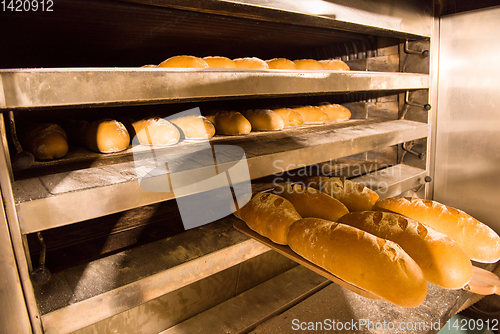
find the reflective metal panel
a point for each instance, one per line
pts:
(468, 124)
(14, 315)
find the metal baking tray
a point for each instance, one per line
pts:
(65, 87)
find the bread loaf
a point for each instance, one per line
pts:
(264, 120)
(184, 62)
(156, 131)
(251, 62)
(290, 116)
(230, 123)
(355, 196)
(334, 65)
(46, 141)
(105, 136)
(312, 114)
(442, 261)
(371, 263)
(281, 64)
(335, 112)
(310, 202)
(219, 62)
(478, 241)
(195, 127)
(269, 215)
(308, 64)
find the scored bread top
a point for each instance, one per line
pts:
(269, 215)
(441, 259)
(371, 263)
(479, 241)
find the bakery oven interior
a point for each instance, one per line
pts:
(120, 259)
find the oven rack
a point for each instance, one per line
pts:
(91, 87)
(48, 201)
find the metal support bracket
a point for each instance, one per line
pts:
(424, 53)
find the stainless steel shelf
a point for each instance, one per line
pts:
(60, 87)
(60, 199)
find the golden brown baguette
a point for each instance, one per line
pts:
(290, 116)
(156, 131)
(251, 62)
(281, 64)
(264, 120)
(442, 261)
(230, 123)
(195, 127)
(308, 64)
(478, 241)
(184, 62)
(219, 62)
(310, 202)
(106, 136)
(335, 112)
(335, 65)
(371, 263)
(312, 114)
(269, 215)
(355, 196)
(46, 141)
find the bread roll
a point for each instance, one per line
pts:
(334, 65)
(251, 62)
(264, 120)
(219, 62)
(230, 123)
(310, 202)
(312, 114)
(281, 64)
(308, 64)
(269, 215)
(184, 62)
(478, 241)
(442, 261)
(195, 127)
(355, 196)
(290, 116)
(371, 263)
(46, 141)
(156, 131)
(336, 112)
(106, 136)
(150, 66)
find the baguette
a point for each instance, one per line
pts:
(312, 114)
(195, 127)
(335, 112)
(264, 120)
(230, 123)
(308, 64)
(251, 62)
(46, 141)
(290, 116)
(281, 64)
(355, 196)
(156, 131)
(219, 62)
(269, 215)
(442, 261)
(310, 202)
(335, 65)
(371, 263)
(184, 62)
(477, 240)
(106, 136)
